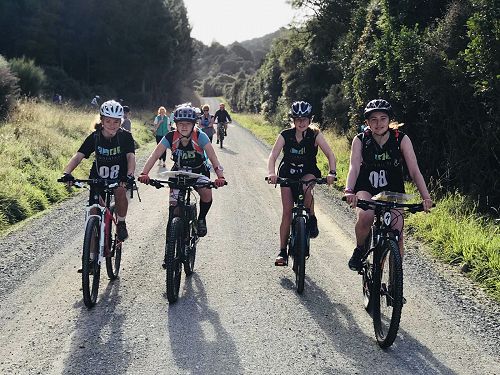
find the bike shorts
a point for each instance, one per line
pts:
(296, 172)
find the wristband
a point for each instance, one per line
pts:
(348, 190)
(333, 173)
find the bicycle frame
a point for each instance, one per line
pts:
(104, 216)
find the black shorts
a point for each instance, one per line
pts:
(296, 172)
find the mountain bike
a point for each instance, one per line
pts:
(298, 241)
(100, 240)
(181, 233)
(382, 271)
(221, 132)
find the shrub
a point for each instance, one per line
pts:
(9, 89)
(31, 77)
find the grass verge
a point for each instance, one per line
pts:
(35, 145)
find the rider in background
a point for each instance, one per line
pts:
(222, 116)
(377, 157)
(190, 148)
(161, 128)
(114, 159)
(300, 146)
(206, 122)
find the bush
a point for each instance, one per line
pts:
(9, 89)
(14, 208)
(59, 81)
(31, 77)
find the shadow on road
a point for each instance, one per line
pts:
(97, 345)
(199, 342)
(406, 356)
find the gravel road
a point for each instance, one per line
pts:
(238, 313)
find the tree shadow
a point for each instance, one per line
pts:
(98, 337)
(200, 343)
(406, 356)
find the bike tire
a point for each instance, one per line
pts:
(114, 260)
(91, 272)
(367, 280)
(299, 259)
(388, 302)
(220, 137)
(192, 238)
(173, 259)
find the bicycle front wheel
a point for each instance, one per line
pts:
(388, 303)
(192, 239)
(114, 258)
(91, 269)
(299, 259)
(367, 279)
(173, 259)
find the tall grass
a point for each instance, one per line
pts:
(453, 230)
(35, 145)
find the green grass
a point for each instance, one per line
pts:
(35, 145)
(454, 231)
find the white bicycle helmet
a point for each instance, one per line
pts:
(185, 113)
(301, 109)
(112, 109)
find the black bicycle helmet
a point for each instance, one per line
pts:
(301, 109)
(185, 113)
(378, 105)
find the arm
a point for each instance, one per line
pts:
(273, 156)
(155, 155)
(228, 117)
(213, 159)
(74, 162)
(332, 162)
(130, 164)
(354, 166)
(415, 174)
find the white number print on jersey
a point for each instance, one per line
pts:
(378, 179)
(109, 172)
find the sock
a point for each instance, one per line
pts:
(120, 218)
(204, 208)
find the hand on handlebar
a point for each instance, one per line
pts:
(219, 182)
(272, 179)
(351, 199)
(68, 178)
(427, 204)
(144, 178)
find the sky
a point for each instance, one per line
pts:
(226, 21)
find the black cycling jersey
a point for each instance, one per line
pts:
(222, 116)
(382, 166)
(299, 158)
(110, 153)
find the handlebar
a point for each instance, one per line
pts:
(184, 184)
(102, 183)
(291, 181)
(372, 205)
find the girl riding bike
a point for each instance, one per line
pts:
(114, 159)
(376, 165)
(190, 148)
(300, 145)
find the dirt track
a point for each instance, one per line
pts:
(237, 313)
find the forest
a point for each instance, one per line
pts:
(436, 61)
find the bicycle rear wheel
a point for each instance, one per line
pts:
(299, 259)
(388, 302)
(173, 259)
(91, 269)
(113, 261)
(220, 137)
(192, 238)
